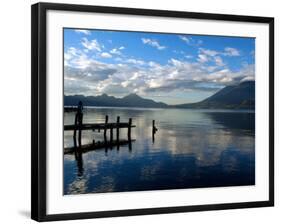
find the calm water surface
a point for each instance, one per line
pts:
(192, 148)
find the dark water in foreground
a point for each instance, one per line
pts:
(192, 148)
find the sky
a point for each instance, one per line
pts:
(169, 68)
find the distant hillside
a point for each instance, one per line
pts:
(241, 96)
(132, 100)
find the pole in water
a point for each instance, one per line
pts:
(111, 135)
(75, 141)
(104, 133)
(117, 132)
(80, 123)
(80, 137)
(79, 120)
(117, 129)
(154, 129)
(75, 131)
(129, 129)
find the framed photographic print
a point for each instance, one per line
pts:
(139, 111)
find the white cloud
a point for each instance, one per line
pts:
(190, 41)
(248, 78)
(153, 64)
(229, 51)
(87, 76)
(218, 61)
(175, 62)
(207, 55)
(76, 58)
(202, 58)
(117, 51)
(153, 43)
(185, 39)
(69, 54)
(105, 55)
(134, 61)
(91, 45)
(86, 32)
(208, 52)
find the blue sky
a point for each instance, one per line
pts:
(170, 68)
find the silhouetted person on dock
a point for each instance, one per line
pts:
(79, 113)
(79, 122)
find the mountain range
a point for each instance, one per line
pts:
(131, 100)
(241, 96)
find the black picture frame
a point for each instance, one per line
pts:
(39, 108)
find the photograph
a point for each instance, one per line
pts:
(148, 111)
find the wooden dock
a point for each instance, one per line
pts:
(79, 127)
(96, 126)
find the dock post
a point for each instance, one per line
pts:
(111, 134)
(129, 129)
(117, 129)
(154, 129)
(75, 131)
(104, 133)
(80, 137)
(80, 123)
(75, 141)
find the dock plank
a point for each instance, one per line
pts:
(100, 126)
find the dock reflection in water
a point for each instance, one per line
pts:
(192, 148)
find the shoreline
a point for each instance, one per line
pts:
(68, 109)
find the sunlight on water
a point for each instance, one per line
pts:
(192, 148)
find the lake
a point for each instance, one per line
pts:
(192, 149)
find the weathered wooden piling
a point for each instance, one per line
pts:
(104, 133)
(117, 132)
(111, 134)
(75, 129)
(80, 135)
(74, 141)
(129, 129)
(117, 129)
(154, 129)
(80, 126)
